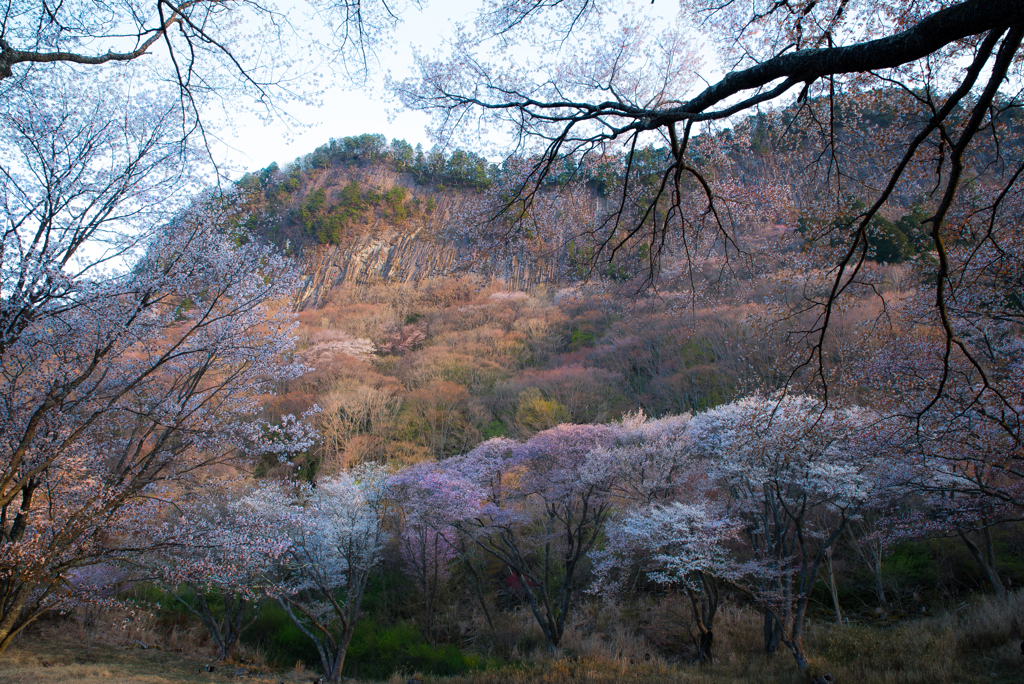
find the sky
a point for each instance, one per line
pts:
(345, 111)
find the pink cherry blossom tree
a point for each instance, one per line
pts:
(431, 502)
(961, 451)
(541, 511)
(962, 469)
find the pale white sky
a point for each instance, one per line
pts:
(346, 111)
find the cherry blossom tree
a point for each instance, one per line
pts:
(963, 472)
(431, 503)
(335, 535)
(85, 181)
(669, 526)
(649, 461)
(134, 342)
(675, 544)
(123, 387)
(793, 474)
(216, 561)
(541, 511)
(961, 452)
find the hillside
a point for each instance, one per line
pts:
(360, 211)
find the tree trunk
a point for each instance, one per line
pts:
(794, 640)
(832, 586)
(428, 619)
(478, 590)
(704, 608)
(12, 621)
(543, 613)
(772, 633)
(987, 565)
(334, 676)
(225, 631)
(870, 551)
(799, 655)
(876, 570)
(234, 619)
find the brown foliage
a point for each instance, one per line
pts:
(439, 416)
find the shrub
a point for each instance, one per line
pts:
(377, 652)
(277, 636)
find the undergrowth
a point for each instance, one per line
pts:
(978, 641)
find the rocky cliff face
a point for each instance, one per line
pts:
(359, 212)
(410, 256)
(419, 248)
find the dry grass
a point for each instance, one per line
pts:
(52, 661)
(977, 643)
(118, 649)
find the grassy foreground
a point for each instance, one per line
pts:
(50, 661)
(977, 643)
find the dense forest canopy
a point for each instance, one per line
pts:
(743, 347)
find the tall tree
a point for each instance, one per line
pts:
(538, 507)
(132, 340)
(793, 474)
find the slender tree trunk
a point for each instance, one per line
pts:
(832, 586)
(216, 628)
(798, 653)
(772, 633)
(428, 619)
(225, 631)
(876, 570)
(89, 623)
(234, 622)
(478, 591)
(985, 561)
(544, 617)
(795, 639)
(870, 551)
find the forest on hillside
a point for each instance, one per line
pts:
(697, 378)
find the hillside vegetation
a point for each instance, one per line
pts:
(428, 341)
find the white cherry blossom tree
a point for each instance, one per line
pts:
(792, 473)
(670, 528)
(675, 544)
(135, 336)
(335, 534)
